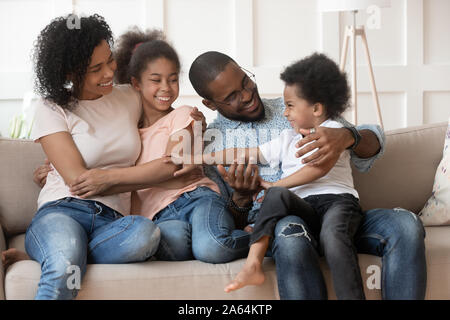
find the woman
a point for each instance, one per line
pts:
(83, 121)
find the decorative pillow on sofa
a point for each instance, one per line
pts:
(437, 209)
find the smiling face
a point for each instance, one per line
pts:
(99, 74)
(299, 112)
(158, 84)
(226, 89)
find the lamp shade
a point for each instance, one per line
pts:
(350, 5)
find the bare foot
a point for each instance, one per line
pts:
(249, 275)
(13, 255)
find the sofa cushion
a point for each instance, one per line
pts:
(403, 176)
(191, 279)
(166, 280)
(18, 193)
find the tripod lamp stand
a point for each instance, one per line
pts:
(351, 33)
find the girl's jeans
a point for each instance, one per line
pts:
(66, 234)
(198, 226)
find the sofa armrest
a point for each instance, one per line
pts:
(2, 271)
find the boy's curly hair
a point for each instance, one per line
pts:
(319, 80)
(61, 51)
(136, 48)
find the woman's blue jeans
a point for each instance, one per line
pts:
(395, 235)
(66, 234)
(199, 226)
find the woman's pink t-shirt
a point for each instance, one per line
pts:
(149, 202)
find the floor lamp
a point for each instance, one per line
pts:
(351, 32)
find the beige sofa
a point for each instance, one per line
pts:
(402, 178)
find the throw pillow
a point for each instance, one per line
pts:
(437, 209)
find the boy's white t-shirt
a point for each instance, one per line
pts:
(282, 150)
(105, 132)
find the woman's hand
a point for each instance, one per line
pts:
(91, 183)
(41, 172)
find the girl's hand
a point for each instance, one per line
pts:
(198, 116)
(194, 162)
(187, 168)
(181, 181)
(91, 183)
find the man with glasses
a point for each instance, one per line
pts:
(245, 121)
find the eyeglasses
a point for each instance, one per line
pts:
(248, 84)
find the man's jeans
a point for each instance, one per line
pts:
(198, 226)
(396, 235)
(66, 234)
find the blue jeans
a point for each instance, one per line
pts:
(66, 234)
(198, 226)
(396, 235)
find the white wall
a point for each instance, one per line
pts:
(410, 52)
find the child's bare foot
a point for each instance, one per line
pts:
(249, 275)
(13, 255)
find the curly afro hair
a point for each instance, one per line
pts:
(61, 52)
(319, 80)
(135, 49)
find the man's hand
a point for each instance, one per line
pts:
(41, 172)
(246, 186)
(91, 183)
(246, 183)
(331, 142)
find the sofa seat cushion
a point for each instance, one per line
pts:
(190, 279)
(437, 244)
(161, 280)
(158, 280)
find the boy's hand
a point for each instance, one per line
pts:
(265, 185)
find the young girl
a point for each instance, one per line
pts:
(193, 218)
(315, 93)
